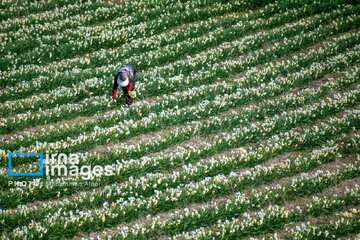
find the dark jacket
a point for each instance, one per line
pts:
(125, 75)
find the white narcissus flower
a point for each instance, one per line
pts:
(47, 81)
(199, 108)
(186, 189)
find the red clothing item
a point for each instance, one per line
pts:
(115, 90)
(130, 86)
(114, 93)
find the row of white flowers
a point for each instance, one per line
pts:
(203, 109)
(67, 16)
(160, 85)
(154, 182)
(226, 141)
(139, 46)
(157, 56)
(118, 31)
(38, 24)
(13, 9)
(275, 216)
(253, 77)
(63, 95)
(240, 203)
(109, 214)
(346, 222)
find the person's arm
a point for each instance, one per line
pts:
(130, 86)
(115, 86)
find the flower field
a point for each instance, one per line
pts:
(245, 125)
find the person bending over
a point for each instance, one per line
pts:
(125, 77)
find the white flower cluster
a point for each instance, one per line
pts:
(151, 57)
(238, 204)
(184, 193)
(52, 21)
(65, 109)
(206, 108)
(250, 225)
(11, 9)
(167, 181)
(211, 183)
(154, 42)
(252, 78)
(347, 221)
(120, 30)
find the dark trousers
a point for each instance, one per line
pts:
(129, 100)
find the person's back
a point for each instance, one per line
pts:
(126, 78)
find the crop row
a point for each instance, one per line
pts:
(239, 136)
(88, 87)
(42, 23)
(229, 67)
(146, 187)
(238, 96)
(74, 79)
(285, 102)
(113, 34)
(219, 185)
(192, 30)
(275, 217)
(19, 8)
(209, 214)
(28, 37)
(180, 99)
(14, 43)
(94, 11)
(159, 41)
(347, 222)
(232, 67)
(171, 52)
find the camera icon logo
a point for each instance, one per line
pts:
(40, 155)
